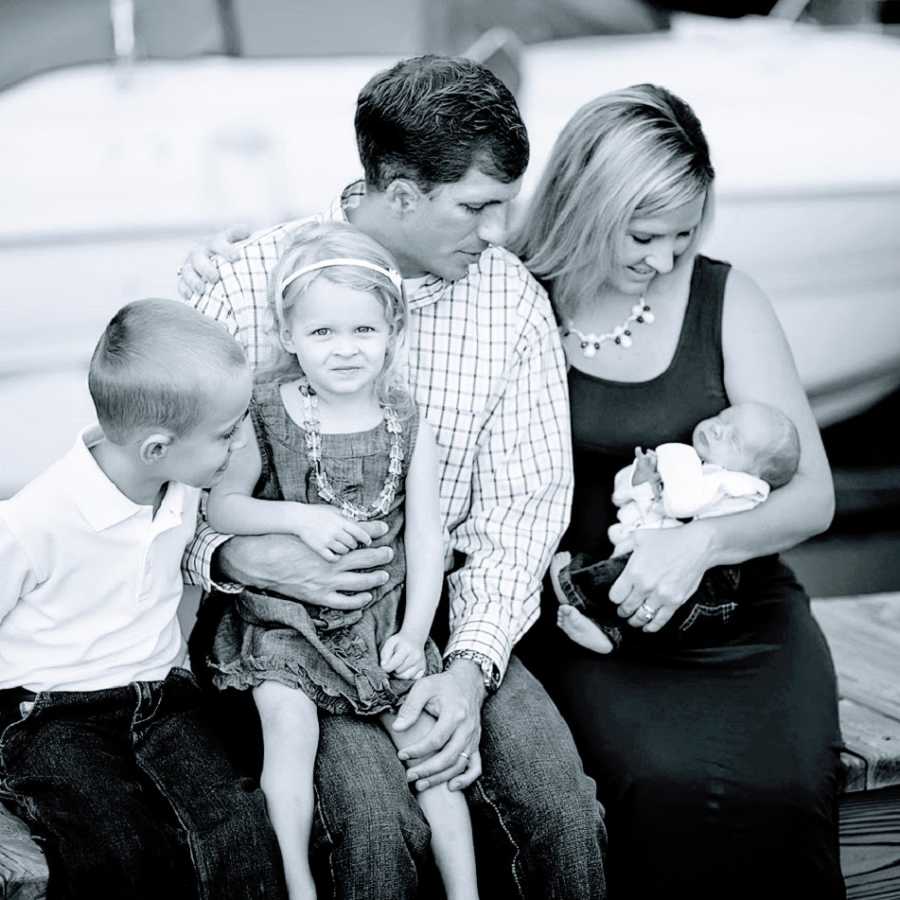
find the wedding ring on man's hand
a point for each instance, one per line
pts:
(645, 612)
(465, 756)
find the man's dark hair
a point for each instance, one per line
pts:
(430, 118)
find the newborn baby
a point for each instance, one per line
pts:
(733, 461)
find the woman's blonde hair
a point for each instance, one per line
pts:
(635, 152)
(314, 242)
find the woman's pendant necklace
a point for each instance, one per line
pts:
(313, 437)
(621, 334)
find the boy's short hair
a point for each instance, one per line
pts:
(779, 461)
(431, 118)
(155, 365)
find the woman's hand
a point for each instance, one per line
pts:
(665, 568)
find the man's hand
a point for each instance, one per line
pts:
(450, 750)
(283, 563)
(197, 272)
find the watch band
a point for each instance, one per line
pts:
(489, 673)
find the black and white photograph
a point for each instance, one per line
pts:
(449, 450)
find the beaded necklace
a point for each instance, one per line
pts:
(313, 438)
(621, 334)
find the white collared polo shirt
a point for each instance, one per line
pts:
(91, 581)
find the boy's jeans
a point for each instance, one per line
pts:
(586, 583)
(130, 795)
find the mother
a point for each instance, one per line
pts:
(717, 760)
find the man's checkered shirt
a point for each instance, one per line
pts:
(487, 370)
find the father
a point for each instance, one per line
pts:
(443, 148)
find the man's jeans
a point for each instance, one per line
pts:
(131, 795)
(537, 822)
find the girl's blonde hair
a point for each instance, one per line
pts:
(314, 242)
(635, 152)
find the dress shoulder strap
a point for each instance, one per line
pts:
(703, 318)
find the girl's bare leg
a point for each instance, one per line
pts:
(448, 815)
(290, 727)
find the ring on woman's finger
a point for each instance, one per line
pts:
(465, 756)
(644, 612)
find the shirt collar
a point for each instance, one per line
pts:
(99, 500)
(428, 290)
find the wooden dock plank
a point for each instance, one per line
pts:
(870, 844)
(864, 636)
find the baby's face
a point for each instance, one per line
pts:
(737, 438)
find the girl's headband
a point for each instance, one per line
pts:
(392, 275)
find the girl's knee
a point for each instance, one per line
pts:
(286, 714)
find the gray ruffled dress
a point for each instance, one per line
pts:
(331, 655)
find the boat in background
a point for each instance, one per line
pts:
(807, 173)
(115, 169)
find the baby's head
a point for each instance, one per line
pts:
(751, 437)
(334, 280)
(171, 388)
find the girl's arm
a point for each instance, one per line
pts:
(403, 652)
(666, 566)
(232, 508)
(424, 537)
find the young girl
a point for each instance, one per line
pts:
(334, 439)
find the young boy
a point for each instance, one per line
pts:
(734, 460)
(104, 747)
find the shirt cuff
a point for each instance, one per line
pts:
(489, 672)
(197, 566)
(223, 587)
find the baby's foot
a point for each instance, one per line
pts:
(579, 628)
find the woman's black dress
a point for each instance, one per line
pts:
(716, 758)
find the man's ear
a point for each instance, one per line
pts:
(155, 447)
(403, 196)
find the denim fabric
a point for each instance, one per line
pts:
(712, 606)
(539, 831)
(131, 796)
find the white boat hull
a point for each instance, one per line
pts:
(805, 149)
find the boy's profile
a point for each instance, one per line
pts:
(733, 461)
(104, 746)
